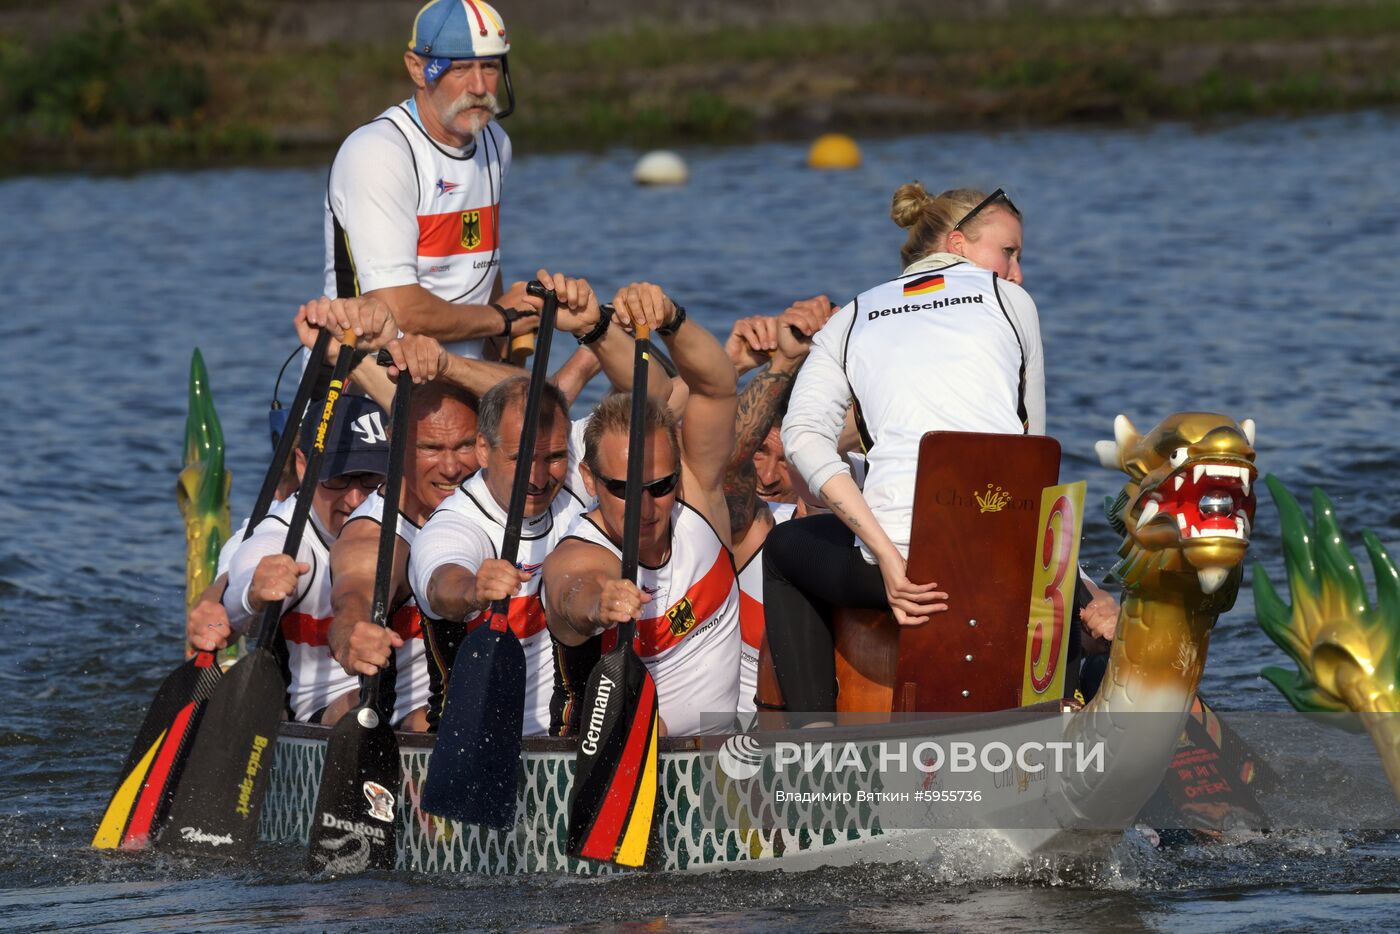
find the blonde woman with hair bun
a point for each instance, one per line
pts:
(951, 343)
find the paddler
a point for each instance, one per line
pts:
(781, 342)
(953, 342)
(356, 461)
(414, 197)
(758, 490)
(441, 452)
(453, 567)
(686, 597)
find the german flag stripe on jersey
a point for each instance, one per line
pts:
(457, 232)
(706, 597)
(526, 616)
(305, 629)
(407, 621)
(922, 285)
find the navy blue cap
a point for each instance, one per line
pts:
(357, 441)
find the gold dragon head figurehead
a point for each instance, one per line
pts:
(1188, 506)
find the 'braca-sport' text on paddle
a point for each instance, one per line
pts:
(219, 794)
(149, 776)
(472, 773)
(613, 799)
(354, 826)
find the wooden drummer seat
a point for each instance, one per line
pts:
(976, 508)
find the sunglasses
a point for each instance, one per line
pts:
(657, 488)
(365, 481)
(984, 203)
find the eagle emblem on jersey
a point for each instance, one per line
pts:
(471, 229)
(682, 617)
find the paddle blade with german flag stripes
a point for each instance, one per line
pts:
(613, 799)
(157, 754)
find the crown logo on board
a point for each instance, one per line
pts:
(993, 500)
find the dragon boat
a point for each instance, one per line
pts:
(764, 799)
(748, 801)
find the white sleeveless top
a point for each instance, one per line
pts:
(690, 639)
(467, 529)
(410, 663)
(316, 677)
(402, 208)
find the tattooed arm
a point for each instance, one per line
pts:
(759, 404)
(766, 395)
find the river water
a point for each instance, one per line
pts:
(1248, 269)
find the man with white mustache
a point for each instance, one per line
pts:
(414, 197)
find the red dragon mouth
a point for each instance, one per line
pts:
(1205, 499)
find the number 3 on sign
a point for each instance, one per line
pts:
(1052, 592)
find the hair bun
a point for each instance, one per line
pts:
(908, 204)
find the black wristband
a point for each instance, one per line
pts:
(507, 317)
(605, 316)
(670, 327)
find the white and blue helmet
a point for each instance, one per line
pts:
(445, 31)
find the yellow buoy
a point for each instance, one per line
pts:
(660, 167)
(834, 151)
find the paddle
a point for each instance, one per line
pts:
(471, 775)
(288, 439)
(615, 773)
(218, 795)
(147, 778)
(353, 827)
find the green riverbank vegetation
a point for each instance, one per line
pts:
(170, 82)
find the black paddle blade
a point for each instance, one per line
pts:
(355, 824)
(473, 769)
(615, 775)
(219, 793)
(144, 778)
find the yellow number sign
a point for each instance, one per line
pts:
(1052, 592)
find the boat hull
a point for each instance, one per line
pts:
(709, 821)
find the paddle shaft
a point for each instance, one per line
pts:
(272, 614)
(295, 416)
(636, 461)
(525, 455)
(389, 523)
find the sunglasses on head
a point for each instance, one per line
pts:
(365, 481)
(658, 488)
(984, 203)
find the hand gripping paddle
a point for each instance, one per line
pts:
(355, 822)
(472, 772)
(149, 775)
(219, 795)
(615, 773)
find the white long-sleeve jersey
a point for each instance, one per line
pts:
(945, 346)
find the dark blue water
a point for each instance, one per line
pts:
(1249, 270)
